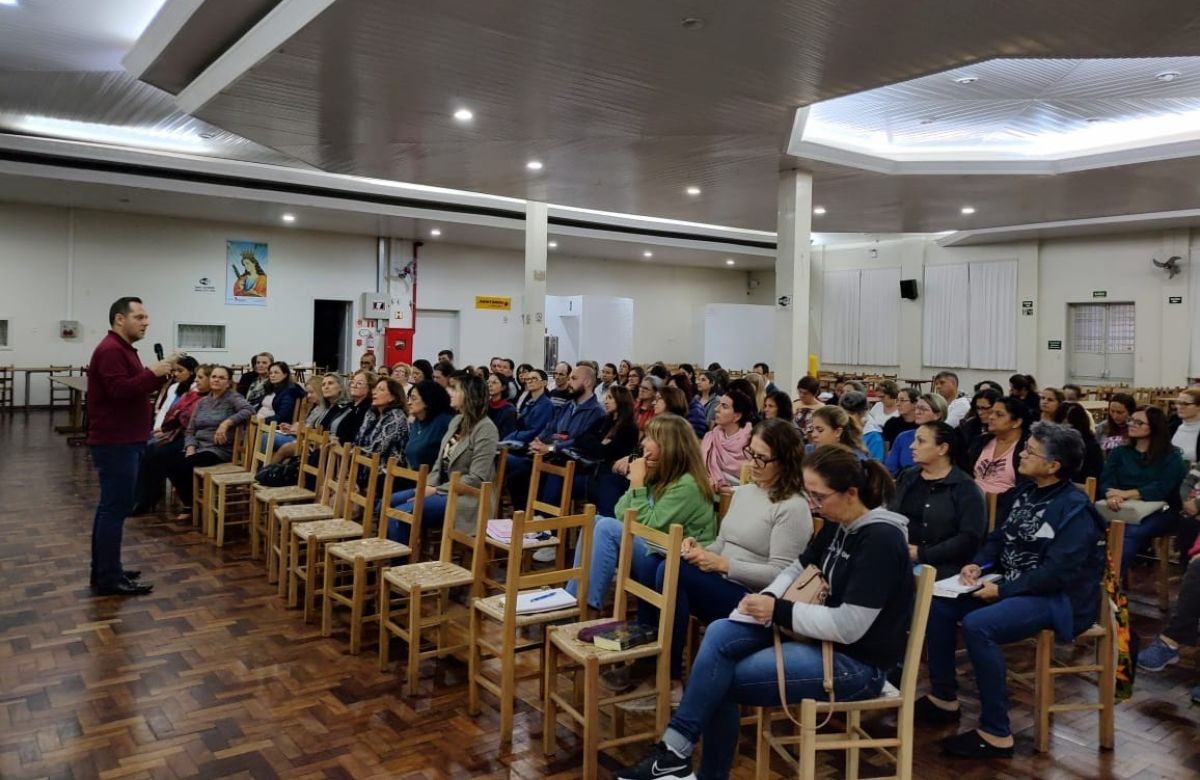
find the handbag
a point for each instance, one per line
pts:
(808, 588)
(1131, 512)
(279, 474)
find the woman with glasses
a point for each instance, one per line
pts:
(345, 420)
(535, 410)
(947, 517)
(765, 529)
(863, 554)
(1185, 424)
(975, 424)
(209, 437)
(906, 416)
(429, 415)
(643, 405)
(995, 456)
(1148, 468)
(928, 408)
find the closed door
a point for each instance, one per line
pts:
(437, 329)
(1102, 341)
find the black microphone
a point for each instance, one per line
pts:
(158, 351)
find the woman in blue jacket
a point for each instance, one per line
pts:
(429, 407)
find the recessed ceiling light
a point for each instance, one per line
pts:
(968, 210)
(1167, 75)
(288, 218)
(435, 232)
(464, 115)
(730, 261)
(819, 210)
(928, 120)
(534, 165)
(966, 79)
(553, 245)
(1091, 120)
(647, 254)
(693, 191)
(692, 23)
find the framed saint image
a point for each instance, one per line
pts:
(245, 273)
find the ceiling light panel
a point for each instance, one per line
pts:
(120, 135)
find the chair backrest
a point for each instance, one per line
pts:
(331, 490)
(313, 450)
(360, 493)
(627, 586)
(924, 577)
(301, 410)
(1088, 486)
(392, 474)
(557, 575)
(541, 469)
(243, 443)
(501, 467)
(993, 504)
(263, 447)
(474, 543)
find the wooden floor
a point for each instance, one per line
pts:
(212, 677)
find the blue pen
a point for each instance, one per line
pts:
(985, 567)
(546, 595)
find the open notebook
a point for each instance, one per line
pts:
(952, 587)
(547, 600)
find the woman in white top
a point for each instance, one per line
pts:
(1185, 429)
(887, 406)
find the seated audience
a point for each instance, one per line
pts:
(468, 447)
(1024, 387)
(855, 404)
(324, 394)
(503, 368)
(608, 376)
(695, 410)
(1051, 399)
(535, 410)
(429, 409)
(659, 370)
(1072, 414)
(166, 444)
(209, 437)
(500, 410)
(400, 373)
(995, 457)
(758, 385)
(887, 406)
(1113, 431)
(560, 394)
(670, 400)
(834, 425)
(1049, 553)
(251, 385)
(989, 384)
(862, 550)
(763, 370)
(778, 406)
(385, 429)
(647, 393)
(446, 355)
(345, 420)
(633, 380)
(442, 373)
(278, 404)
(947, 517)
(708, 393)
(945, 384)
(906, 416)
(182, 373)
(975, 424)
(605, 451)
(421, 371)
(723, 449)
(1185, 424)
(1072, 393)
(623, 373)
(929, 407)
(666, 485)
(1148, 468)
(807, 402)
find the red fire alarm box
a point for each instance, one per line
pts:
(398, 345)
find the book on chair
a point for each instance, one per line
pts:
(624, 635)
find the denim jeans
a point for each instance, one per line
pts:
(1139, 536)
(152, 470)
(736, 666)
(705, 594)
(606, 549)
(518, 470)
(433, 513)
(117, 466)
(985, 627)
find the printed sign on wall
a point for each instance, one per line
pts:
(493, 302)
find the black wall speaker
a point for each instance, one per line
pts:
(908, 289)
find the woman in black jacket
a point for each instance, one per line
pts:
(344, 420)
(947, 516)
(612, 438)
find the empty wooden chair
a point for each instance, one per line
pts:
(1104, 634)
(230, 494)
(565, 653)
(409, 585)
(536, 507)
(240, 462)
(854, 739)
(331, 501)
(311, 450)
(354, 568)
(500, 612)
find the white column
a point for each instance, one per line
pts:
(533, 318)
(793, 267)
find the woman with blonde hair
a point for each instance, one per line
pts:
(668, 484)
(834, 425)
(759, 383)
(930, 407)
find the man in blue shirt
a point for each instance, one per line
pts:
(570, 420)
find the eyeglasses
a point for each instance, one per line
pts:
(1136, 423)
(1185, 403)
(818, 499)
(1032, 454)
(759, 460)
(358, 383)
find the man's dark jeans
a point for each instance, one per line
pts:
(117, 465)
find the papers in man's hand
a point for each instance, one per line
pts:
(952, 587)
(544, 601)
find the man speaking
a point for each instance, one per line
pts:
(120, 419)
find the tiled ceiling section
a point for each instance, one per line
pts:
(626, 105)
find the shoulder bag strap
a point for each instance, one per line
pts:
(826, 682)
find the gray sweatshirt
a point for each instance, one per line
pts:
(759, 538)
(211, 412)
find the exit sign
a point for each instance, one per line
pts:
(1054, 345)
(1099, 293)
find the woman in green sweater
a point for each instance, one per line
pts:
(1148, 468)
(668, 484)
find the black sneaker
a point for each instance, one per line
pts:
(661, 762)
(970, 745)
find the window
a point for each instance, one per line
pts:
(199, 336)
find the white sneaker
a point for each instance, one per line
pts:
(545, 554)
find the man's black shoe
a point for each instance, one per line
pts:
(124, 588)
(128, 574)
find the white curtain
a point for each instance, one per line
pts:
(839, 318)
(947, 295)
(879, 317)
(994, 315)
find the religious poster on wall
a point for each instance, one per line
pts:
(245, 273)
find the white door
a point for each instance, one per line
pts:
(437, 329)
(1102, 341)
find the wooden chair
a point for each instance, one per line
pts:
(263, 502)
(7, 385)
(1163, 547)
(562, 644)
(412, 582)
(727, 498)
(60, 395)
(1088, 486)
(537, 508)
(306, 553)
(230, 495)
(362, 561)
(993, 508)
(897, 749)
(240, 462)
(1104, 633)
(501, 609)
(331, 500)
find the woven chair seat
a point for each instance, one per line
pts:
(373, 549)
(428, 575)
(288, 493)
(323, 530)
(299, 513)
(218, 468)
(566, 638)
(528, 544)
(233, 479)
(493, 607)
